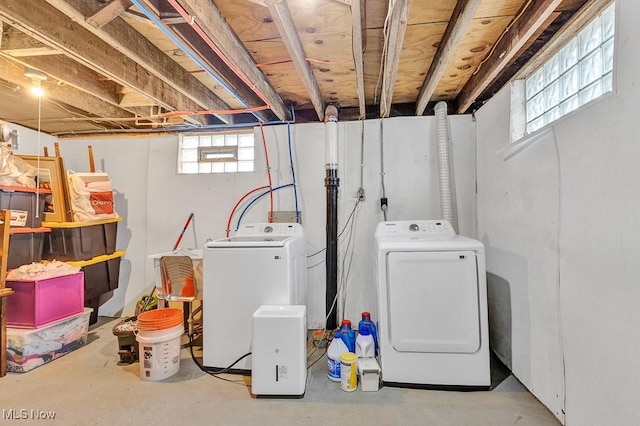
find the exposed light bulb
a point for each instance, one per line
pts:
(36, 89)
(36, 80)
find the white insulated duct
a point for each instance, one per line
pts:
(444, 164)
(331, 137)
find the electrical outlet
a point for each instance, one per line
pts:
(360, 194)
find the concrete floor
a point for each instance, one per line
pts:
(88, 387)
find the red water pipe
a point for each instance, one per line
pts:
(191, 21)
(233, 211)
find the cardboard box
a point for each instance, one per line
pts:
(29, 349)
(38, 303)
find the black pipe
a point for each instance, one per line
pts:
(332, 182)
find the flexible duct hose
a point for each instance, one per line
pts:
(444, 166)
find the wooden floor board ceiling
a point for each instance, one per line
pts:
(147, 65)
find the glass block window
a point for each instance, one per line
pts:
(215, 152)
(579, 73)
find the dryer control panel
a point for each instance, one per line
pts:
(411, 228)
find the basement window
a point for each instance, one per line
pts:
(222, 152)
(579, 73)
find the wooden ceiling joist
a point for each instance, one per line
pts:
(16, 43)
(108, 13)
(281, 16)
(393, 47)
(210, 20)
(456, 29)
(198, 47)
(183, 92)
(69, 72)
(356, 44)
(526, 23)
(69, 95)
(581, 18)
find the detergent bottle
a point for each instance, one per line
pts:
(334, 352)
(348, 335)
(365, 347)
(366, 320)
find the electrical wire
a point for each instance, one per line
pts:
(511, 24)
(38, 160)
(160, 116)
(317, 264)
(361, 157)
(344, 272)
(341, 232)
(266, 157)
(383, 57)
(325, 338)
(293, 171)
(384, 207)
(215, 372)
(316, 253)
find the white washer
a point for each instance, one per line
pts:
(432, 301)
(263, 264)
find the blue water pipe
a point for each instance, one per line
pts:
(190, 54)
(256, 199)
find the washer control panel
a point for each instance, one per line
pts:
(270, 229)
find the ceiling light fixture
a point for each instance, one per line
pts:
(36, 80)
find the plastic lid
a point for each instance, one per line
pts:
(364, 330)
(348, 357)
(366, 314)
(346, 321)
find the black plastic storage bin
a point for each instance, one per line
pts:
(25, 246)
(80, 240)
(101, 276)
(22, 203)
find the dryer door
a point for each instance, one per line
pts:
(433, 301)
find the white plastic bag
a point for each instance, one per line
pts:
(91, 201)
(14, 171)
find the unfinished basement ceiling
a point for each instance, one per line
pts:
(117, 65)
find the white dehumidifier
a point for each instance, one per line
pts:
(279, 351)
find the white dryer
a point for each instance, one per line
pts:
(432, 301)
(263, 264)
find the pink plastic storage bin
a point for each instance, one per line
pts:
(38, 303)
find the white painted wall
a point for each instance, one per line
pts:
(561, 225)
(155, 201)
